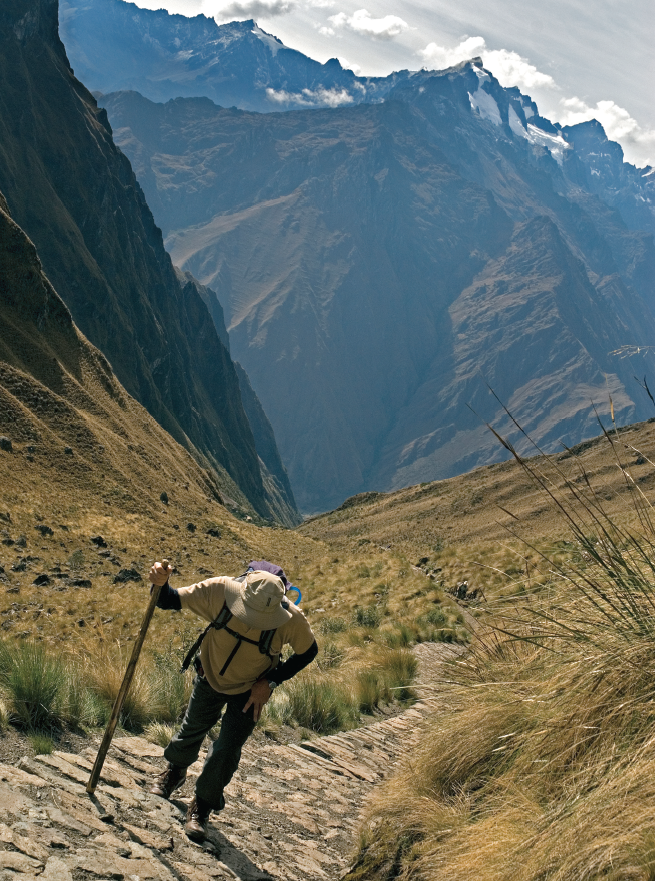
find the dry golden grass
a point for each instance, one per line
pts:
(468, 510)
(545, 771)
(540, 762)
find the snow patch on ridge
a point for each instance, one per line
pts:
(482, 101)
(515, 123)
(554, 143)
(486, 106)
(268, 40)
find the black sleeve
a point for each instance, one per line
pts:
(169, 598)
(294, 665)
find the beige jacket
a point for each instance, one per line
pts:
(206, 599)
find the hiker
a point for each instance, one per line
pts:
(238, 668)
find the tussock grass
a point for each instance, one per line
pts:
(320, 704)
(42, 744)
(160, 733)
(34, 683)
(540, 763)
(105, 677)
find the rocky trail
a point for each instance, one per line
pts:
(291, 813)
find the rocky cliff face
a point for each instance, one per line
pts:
(76, 196)
(380, 264)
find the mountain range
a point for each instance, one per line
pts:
(382, 265)
(75, 195)
(114, 45)
(385, 251)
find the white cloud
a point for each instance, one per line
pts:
(512, 70)
(385, 28)
(326, 32)
(439, 57)
(320, 4)
(508, 67)
(311, 98)
(618, 124)
(244, 9)
(348, 65)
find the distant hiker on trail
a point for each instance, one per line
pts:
(238, 669)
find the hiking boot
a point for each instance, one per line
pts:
(171, 779)
(197, 820)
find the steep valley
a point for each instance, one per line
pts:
(93, 490)
(76, 196)
(394, 274)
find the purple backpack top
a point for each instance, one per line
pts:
(265, 566)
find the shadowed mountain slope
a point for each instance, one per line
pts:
(75, 195)
(380, 264)
(74, 433)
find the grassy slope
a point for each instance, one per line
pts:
(485, 516)
(539, 764)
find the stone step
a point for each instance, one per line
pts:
(292, 810)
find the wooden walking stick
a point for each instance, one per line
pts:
(125, 686)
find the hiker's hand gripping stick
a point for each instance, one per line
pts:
(162, 569)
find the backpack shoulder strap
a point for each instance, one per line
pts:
(220, 622)
(265, 641)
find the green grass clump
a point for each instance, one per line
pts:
(43, 690)
(320, 704)
(34, 683)
(332, 625)
(160, 733)
(331, 655)
(171, 689)
(41, 744)
(398, 668)
(371, 689)
(400, 636)
(436, 617)
(369, 616)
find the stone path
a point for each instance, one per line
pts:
(291, 814)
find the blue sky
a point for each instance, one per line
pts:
(577, 58)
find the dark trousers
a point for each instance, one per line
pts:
(203, 712)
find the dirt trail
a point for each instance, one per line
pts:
(291, 811)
